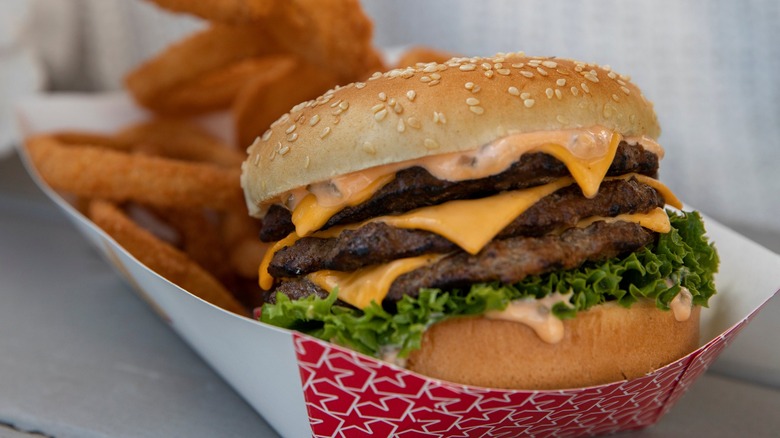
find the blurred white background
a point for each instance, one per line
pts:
(710, 66)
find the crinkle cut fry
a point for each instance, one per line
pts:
(117, 176)
(204, 52)
(161, 257)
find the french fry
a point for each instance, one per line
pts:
(179, 139)
(161, 257)
(262, 102)
(117, 176)
(226, 11)
(203, 53)
(336, 35)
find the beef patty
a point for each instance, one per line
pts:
(507, 261)
(354, 249)
(415, 187)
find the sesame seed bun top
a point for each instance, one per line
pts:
(431, 109)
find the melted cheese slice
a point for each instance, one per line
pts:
(363, 286)
(471, 224)
(588, 159)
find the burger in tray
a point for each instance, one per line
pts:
(489, 221)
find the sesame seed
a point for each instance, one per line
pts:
(472, 101)
(590, 76)
(306, 162)
(611, 75)
(382, 96)
(469, 85)
(413, 122)
(585, 87)
(344, 105)
(272, 155)
(358, 85)
(550, 64)
(401, 127)
(525, 96)
(534, 63)
(290, 129)
(608, 111)
(625, 89)
(467, 67)
(380, 115)
(411, 94)
(503, 71)
(284, 150)
(616, 98)
(375, 75)
(575, 91)
(476, 109)
(558, 94)
(266, 135)
(549, 93)
(430, 68)
(314, 120)
(513, 91)
(398, 108)
(335, 104)
(529, 103)
(377, 107)
(498, 65)
(527, 74)
(369, 148)
(292, 137)
(425, 79)
(439, 118)
(560, 82)
(476, 89)
(621, 82)
(338, 111)
(489, 74)
(325, 132)
(336, 118)
(408, 73)
(435, 76)
(433, 82)
(486, 66)
(518, 65)
(578, 68)
(541, 71)
(392, 101)
(430, 143)
(256, 161)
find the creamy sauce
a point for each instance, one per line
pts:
(682, 304)
(586, 151)
(390, 355)
(536, 314)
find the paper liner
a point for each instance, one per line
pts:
(348, 394)
(304, 386)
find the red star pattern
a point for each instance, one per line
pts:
(351, 395)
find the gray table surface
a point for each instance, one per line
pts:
(82, 356)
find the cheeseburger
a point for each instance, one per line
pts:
(489, 221)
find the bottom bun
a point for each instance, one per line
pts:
(606, 343)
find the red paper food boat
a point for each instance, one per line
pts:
(305, 387)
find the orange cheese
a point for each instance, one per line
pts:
(472, 223)
(587, 153)
(656, 220)
(363, 286)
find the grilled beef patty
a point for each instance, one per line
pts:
(508, 260)
(415, 187)
(377, 242)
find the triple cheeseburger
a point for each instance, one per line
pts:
(489, 221)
